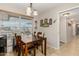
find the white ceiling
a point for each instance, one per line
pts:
(74, 14)
(74, 11)
(40, 7)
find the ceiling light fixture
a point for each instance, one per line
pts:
(30, 11)
(66, 14)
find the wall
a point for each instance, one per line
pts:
(63, 30)
(66, 31)
(74, 29)
(69, 29)
(52, 32)
(75, 19)
(35, 19)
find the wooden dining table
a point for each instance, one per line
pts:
(31, 40)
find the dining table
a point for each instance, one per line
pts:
(31, 40)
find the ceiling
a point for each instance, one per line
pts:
(74, 11)
(73, 14)
(40, 7)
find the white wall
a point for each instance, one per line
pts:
(75, 19)
(66, 32)
(52, 32)
(69, 30)
(74, 29)
(63, 30)
(36, 19)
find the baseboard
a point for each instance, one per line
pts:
(52, 47)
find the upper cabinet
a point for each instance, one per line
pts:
(14, 21)
(3, 16)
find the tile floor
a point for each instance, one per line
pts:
(69, 49)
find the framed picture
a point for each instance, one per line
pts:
(41, 23)
(45, 21)
(46, 24)
(50, 21)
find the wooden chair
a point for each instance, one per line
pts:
(38, 34)
(18, 40)
(25, 50)
(18, 45)
(39, 41)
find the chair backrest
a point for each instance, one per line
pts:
(38, 34)
(18, 40)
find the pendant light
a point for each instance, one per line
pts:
(30, 11)
(35, 13)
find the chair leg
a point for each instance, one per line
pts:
(42, 48)
(37, 46)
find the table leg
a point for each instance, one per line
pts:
(45, 46)
(34, 51)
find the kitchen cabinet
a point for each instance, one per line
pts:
(14, 23)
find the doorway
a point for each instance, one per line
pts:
(77, 29)
(69, 25)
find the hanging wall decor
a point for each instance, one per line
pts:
(46, 24)
(41, 23)
(54, 21)
(35, 24)
(50, 21)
